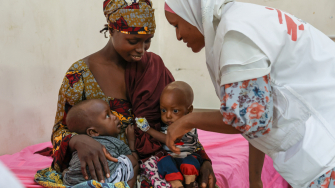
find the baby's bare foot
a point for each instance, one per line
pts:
(192, 185)
(176, 184)
(189, 179)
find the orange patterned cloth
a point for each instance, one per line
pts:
(130, 16)
(248, 106)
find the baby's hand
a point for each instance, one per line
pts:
(142, 124)
(130, 133)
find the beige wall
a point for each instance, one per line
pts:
(39, 40)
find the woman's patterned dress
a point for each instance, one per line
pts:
(79, 84)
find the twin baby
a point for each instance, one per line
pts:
(94, 118)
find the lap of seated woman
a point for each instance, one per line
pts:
(94, 118)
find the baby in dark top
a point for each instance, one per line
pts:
(94, 118)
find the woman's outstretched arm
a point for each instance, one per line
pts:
(208, 121)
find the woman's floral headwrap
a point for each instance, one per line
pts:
(130, 16)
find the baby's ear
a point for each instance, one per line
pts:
(92, 132)
(190, 109)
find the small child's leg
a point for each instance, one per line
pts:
(136, 167)
(190, 168)
(150, 170)
(168, 169)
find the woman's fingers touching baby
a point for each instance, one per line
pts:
(175, 132)
(170, 143)
(91, 154)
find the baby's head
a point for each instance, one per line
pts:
(94, 118)
(176, 101)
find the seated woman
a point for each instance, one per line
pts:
(126, 77)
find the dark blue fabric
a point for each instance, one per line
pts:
(168, 165)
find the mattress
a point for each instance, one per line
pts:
(229, 155)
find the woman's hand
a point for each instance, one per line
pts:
(176, 131)
(92, 154)
(207, 177)
(207, 121)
